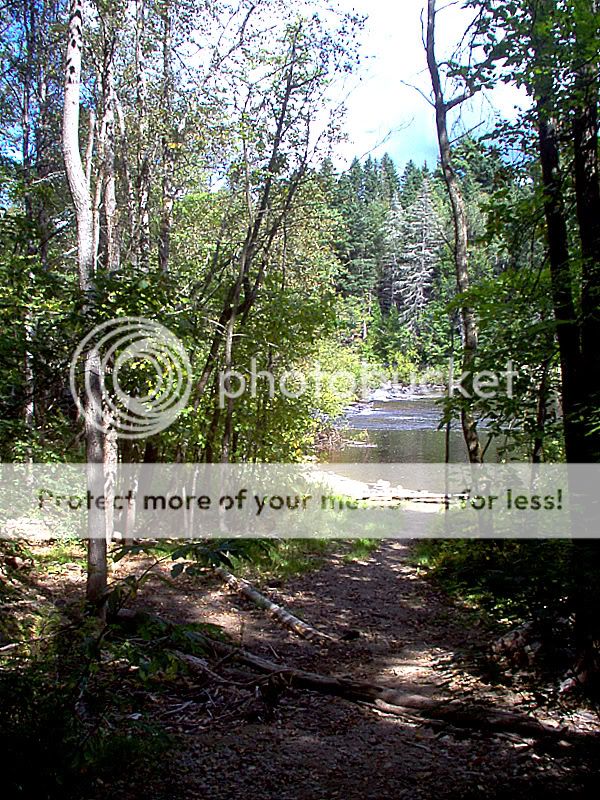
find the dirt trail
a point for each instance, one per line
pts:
(311, 747)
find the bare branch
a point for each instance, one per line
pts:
(425, 97)
(462, 98)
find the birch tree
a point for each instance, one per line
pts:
(82, 202)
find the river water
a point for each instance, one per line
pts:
(399, 426)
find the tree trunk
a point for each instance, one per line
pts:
(28, 373)
(125, 168)
(560, 274)
(97, 564)
(109, 192)
(141, 247)
(461, 241)
(578, 342)
(229, 408)
(541, 414)
(587, 195)
(82, 201)
(586, 552)
(167, 199)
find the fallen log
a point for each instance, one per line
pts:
(279, 613)
(385, 698)
(199, 665)
(388, 699)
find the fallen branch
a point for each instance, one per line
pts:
(200, 665)
(400, 703)
(388, 699)
(282, 615)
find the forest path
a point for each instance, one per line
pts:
(310, 747)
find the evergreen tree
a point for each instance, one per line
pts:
(372, 180)
(415, 263)
(390, 181)
(393, 246)
(363, 213)
(410, 184)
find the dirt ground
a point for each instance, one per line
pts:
(234, 741)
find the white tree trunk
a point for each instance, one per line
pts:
(82, 201)
(72, 156)
(112, 255)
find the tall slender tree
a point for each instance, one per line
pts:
(417, 259)
(461, 240)
(553, 50)
(82, 202)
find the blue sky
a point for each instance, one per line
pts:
(386, 115)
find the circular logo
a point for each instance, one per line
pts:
(144, 371)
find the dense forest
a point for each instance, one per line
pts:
(173, 169)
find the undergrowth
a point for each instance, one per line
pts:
(284, 559)
(509, 579)
(255, 559)
(66, 726)
(361, 549)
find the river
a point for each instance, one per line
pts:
(397, 425)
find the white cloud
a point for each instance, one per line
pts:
(386, 114)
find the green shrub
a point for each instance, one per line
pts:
(61, 732)
(508, 578)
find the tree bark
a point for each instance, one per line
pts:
(461, 240)
(141, 247)
(28, 371)
(560, 275)
(109, 190)
(125, 168)
(168, 158)
(587, 195)
(71, 153)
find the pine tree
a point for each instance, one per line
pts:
(360, 251)
(419, 237)
(372, 180)
(410, 184)
(390, 181)
(393, 247)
